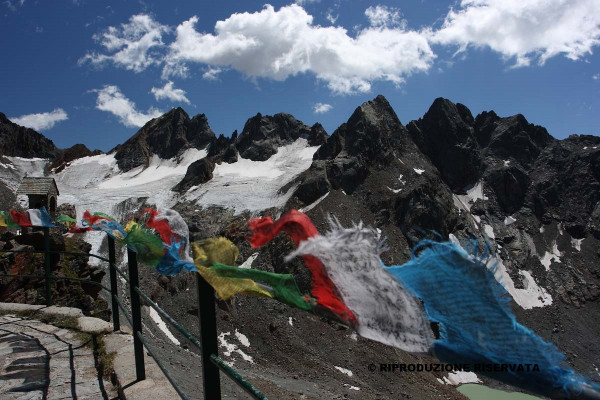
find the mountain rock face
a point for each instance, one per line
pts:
(535, 200)
(260, 139)
(18, 141)
(262, 135)
(198, 172)
(565, 185)
(64, 157)
(373, 158)
(449, 175)
(166, 136)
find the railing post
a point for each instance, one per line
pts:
(113, 283)
(47, 266)
(208, 338)
(136, 315)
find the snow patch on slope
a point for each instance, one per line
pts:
(548, 257)
(97, 182)
(460, 377)
(576, 243)
(231, 348)
(474, 192)
(532, 295)
(489, 231)
(254, 185)
(249, 261)
(161, 324)
(344, 371)
(13, 169)
(243, 339)
(313, 204)
(157, 170)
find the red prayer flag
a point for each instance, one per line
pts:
(300, 228)
(20, 218)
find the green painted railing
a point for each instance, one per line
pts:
(212, 365)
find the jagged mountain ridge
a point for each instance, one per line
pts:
(447, 172)
(166, 136)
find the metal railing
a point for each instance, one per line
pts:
(212, 364)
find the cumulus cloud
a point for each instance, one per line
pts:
(169, 92)
(321, 108)
(596, 77)
(133, 46)
(279, 44)
(524, 30)
(384, 16)
(41, 121)
(112, 100)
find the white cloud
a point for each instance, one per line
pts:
(112, 100)
(524, 30)
(132, 46)
(169, 92)
(279, 44)
(212, 74)
(41, 121)
(321, 108)
(330, 16)
(384, 16)
(596, 77)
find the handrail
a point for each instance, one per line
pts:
(57, 252)
(171, 380)
(207, 344)
(237, 378)
(170, 320)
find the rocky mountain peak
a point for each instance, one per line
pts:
(317, 135)
(447, 136)
(166, 136)
(452, 123)
(372, 132)
(377, 112)
(19, 141)
(512, 137)
(262, 135)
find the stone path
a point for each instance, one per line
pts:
(40, 361)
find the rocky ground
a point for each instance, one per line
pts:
(68, 293)
(42, 361)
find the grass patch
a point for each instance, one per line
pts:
(105, 358)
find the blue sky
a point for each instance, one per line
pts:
(93, 72)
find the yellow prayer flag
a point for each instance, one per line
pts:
(207, 252)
